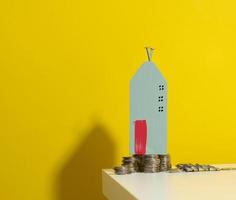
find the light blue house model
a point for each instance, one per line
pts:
(148, 101)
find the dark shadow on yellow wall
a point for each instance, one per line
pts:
(80, 177)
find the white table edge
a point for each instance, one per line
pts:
(113, 190)
(111, 187)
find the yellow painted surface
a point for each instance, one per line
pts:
(65, 67)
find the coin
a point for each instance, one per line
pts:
(120, 170)
(165, 163)
(151, 163)
(130, 164)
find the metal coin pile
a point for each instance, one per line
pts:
(139, 162)
(196, 168)
(130, 164)
(120, 170)
(148, 163)
(151, 163)
(165, 163)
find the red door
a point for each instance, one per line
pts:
(140, 136)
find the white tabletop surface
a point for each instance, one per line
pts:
(219, 185)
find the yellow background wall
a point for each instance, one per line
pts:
(65, 67)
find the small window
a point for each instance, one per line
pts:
(160, 109)
(160, 98)
(161, 87)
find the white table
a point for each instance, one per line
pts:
(219, 185)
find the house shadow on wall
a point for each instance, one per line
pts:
(81, 177)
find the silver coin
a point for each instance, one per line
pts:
(120, 170)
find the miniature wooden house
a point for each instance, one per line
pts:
(148, 111)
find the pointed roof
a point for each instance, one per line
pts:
(148, 69)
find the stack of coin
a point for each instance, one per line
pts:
(196, 168)
(130, 164)
(138, 162)
(151, 163)
(148, 163)
(120, 170)
(165, 163)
